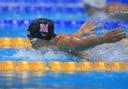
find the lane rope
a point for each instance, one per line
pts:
(25, 43)
(62, 66)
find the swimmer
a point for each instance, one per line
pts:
(41, 34)
(114, 10)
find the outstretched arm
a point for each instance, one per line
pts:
(77, 44)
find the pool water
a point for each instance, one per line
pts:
(60, 80)
(15, 18)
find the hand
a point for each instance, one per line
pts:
(88, 28)
(114, 36)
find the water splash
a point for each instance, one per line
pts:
(46, 54)
(109, 52)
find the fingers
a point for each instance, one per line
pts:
(91, 26)
(90, 23)
(121, 35)
(88, 27)
(118, 37)
(118, 30)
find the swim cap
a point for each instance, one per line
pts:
(41, 28)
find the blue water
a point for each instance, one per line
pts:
(68, 15)
(59, 80)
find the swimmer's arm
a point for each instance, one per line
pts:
(77, 44)
(83, 44)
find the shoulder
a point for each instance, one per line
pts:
(61, 35)
(61, 38)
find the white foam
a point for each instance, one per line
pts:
(43, 54)
(115, 52)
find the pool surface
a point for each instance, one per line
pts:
(64, 75)
(68, 15)
(61, 80)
